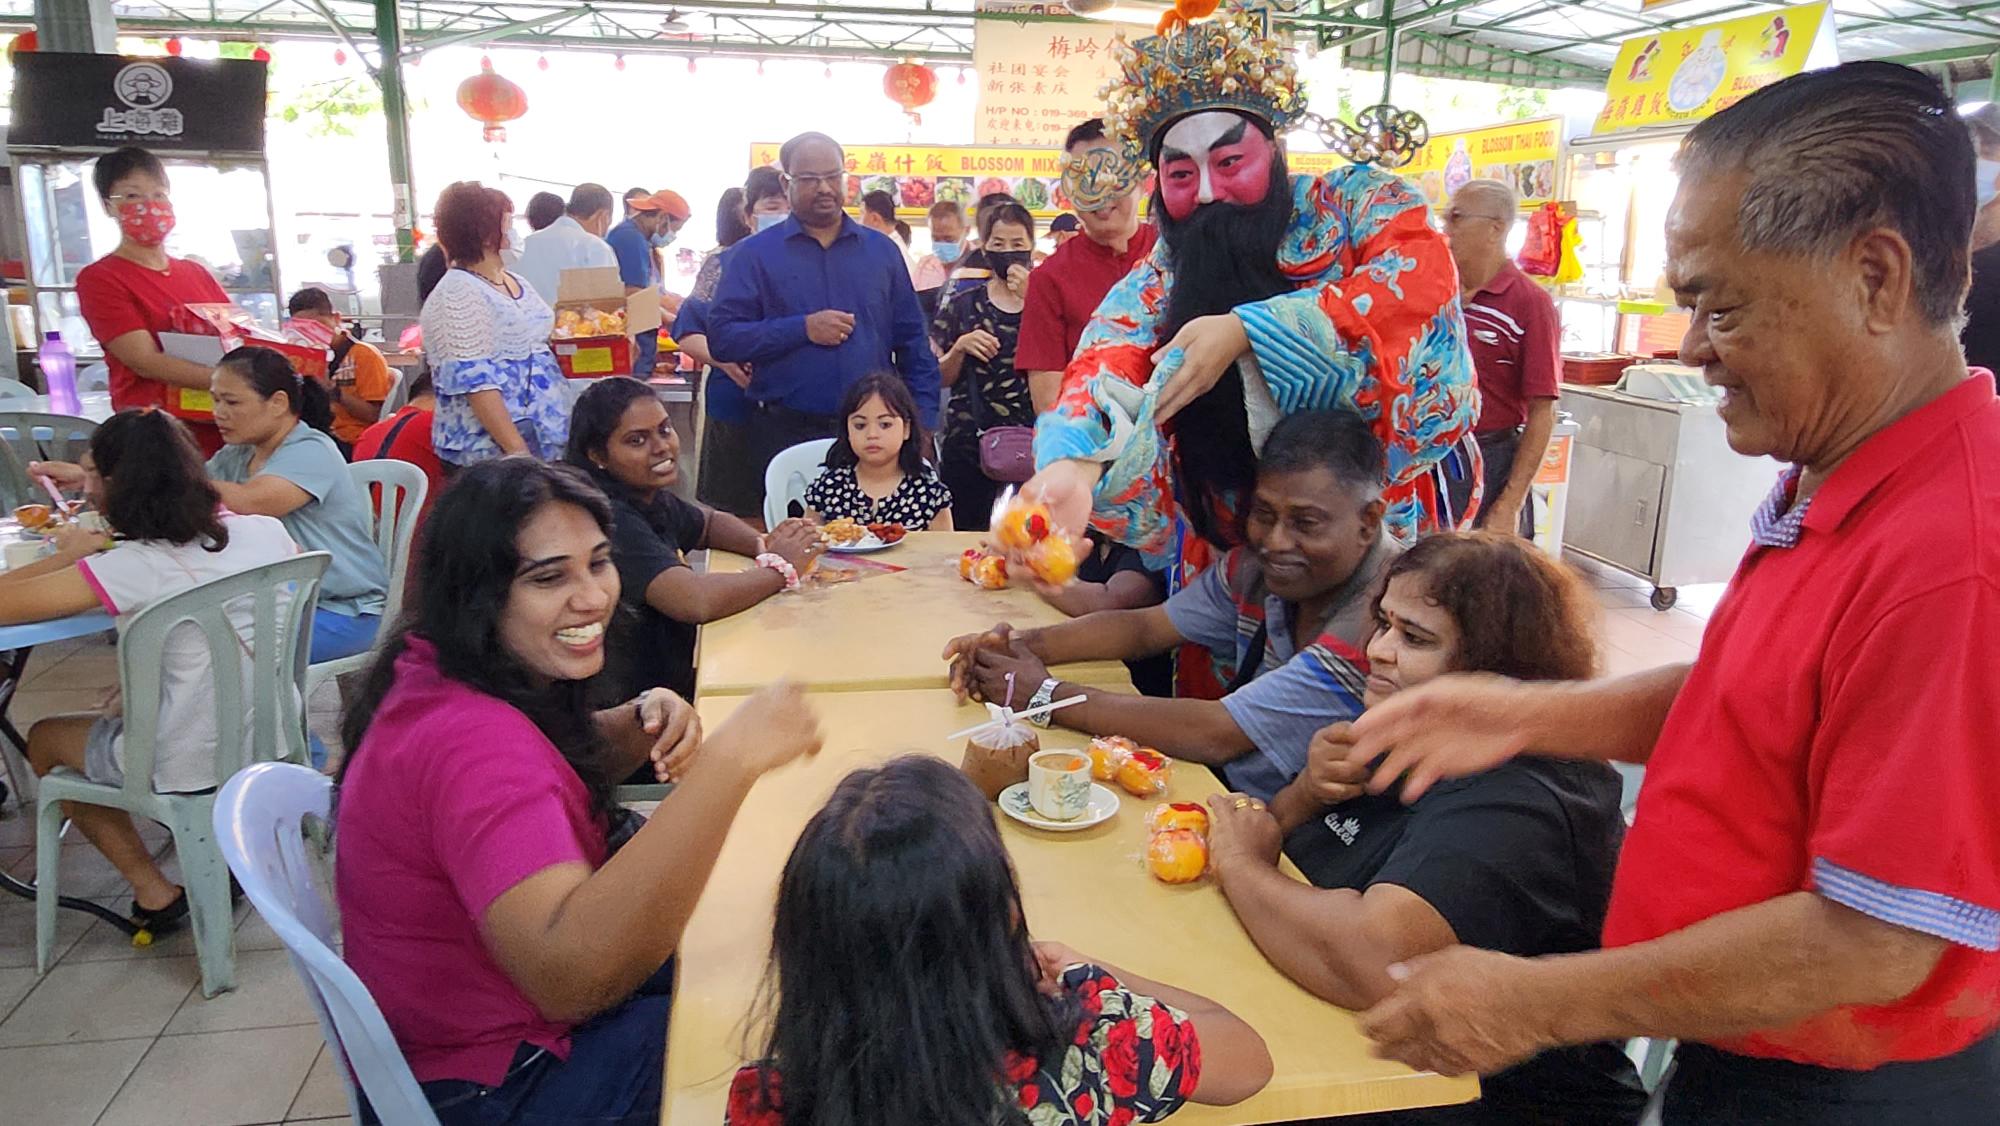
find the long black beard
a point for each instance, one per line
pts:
(1222, 256)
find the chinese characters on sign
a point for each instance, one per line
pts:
(1037, 79)
(1690, 73)
(163, 122)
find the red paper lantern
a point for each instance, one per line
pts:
(541, 62)
(910, 85)
(339, 56)
(618, 62)
(491, 99)
(174, 47)
(261, 55)
(26, 41)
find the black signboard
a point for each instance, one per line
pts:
(73, 101)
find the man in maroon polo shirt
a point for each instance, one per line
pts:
(1068, 286)
(1809, 898)
(1516, 340)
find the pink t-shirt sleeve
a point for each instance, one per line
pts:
(506, 813)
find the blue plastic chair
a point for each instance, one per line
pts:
(264, 819)
(282, 596)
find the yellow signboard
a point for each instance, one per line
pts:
(1690, 73)
(917, 176)
(1526, 155)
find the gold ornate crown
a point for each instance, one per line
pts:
(1232, 62)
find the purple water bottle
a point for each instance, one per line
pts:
(59, 375)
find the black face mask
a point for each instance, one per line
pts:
(1002, 261)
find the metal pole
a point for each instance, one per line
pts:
(389, 41)
(1391, 40)
(1994, 87)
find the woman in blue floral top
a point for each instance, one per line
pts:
(486, 333)
(905, 987)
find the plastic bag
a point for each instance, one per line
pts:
(1177, 849)
(1541, 255)
(1571, 267)
(997, 752)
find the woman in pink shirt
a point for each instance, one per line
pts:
(513, 928)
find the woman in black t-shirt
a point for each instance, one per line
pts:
(1518, 860)
(975, 333)
(620, 434)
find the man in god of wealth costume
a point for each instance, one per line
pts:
(1267, 293)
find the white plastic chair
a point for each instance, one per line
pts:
(261, 825)
(15, 389)
(403, 489)
(95, 377)
(284, 594)
(788, 475)
(28, 435)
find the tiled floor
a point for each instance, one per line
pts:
(117, 1036)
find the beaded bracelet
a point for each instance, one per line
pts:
(780, 564)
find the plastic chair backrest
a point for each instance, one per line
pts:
(27, 436)
(283, 595)
(261, 823)
(402, 489)
(95, 377)
(15, 389)
(786, 478)
(399, 391)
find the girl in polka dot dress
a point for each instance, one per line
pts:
(878, 474)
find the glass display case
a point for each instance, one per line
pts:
(1622, 191)
(223, 221)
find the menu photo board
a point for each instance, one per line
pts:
(82, 101)
(917, 176)
(1524, 155)
(1687, 74)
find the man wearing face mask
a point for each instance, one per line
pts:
(656, 220)
(1267, 294)
(129, 295)
(947, 225)
(1072, 282)
(1982, 304)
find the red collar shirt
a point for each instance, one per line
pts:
(1838, 731)
(1064, 293)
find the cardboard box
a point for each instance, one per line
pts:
(601, 290)
(208, 330)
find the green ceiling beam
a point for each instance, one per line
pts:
(488, 34)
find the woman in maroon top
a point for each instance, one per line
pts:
(905, 988)
(129, 295)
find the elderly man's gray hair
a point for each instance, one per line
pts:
(1499, 196)
(1831, 153)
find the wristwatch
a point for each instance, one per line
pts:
(1041, 699)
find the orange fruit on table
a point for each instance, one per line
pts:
(1145, 773)
(967, 562)
(1022, 525)
(1108, 754)
(1178, 815)
(1053, 560)
(1177, 856)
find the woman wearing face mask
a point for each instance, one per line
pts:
(486, 333)
(975, 333)
(729, 480)
(129, 295)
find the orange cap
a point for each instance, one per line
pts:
(669, 202)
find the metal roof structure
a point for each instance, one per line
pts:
(1519, 42)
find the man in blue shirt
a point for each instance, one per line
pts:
(815, 303)
(655, 220)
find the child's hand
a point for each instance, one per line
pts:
(980, 344)
(63, 474)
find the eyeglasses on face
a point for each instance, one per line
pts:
(1457, 216)
(815, 179)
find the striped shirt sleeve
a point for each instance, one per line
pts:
(1953, 920)
(1282, 709)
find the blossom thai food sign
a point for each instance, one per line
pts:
(1525, 155)
(1689, 73)
(917, 176)
(1037, 78)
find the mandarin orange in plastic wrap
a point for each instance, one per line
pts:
(1145, 772)
(1053, 561)
(1177, 856)
(1178, 815)
(967, 562)
(1109, 753)
(990, 573)
(1022, 525)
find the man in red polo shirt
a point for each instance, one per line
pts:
(1516, 340)
(1069, 285)
(1809, 898)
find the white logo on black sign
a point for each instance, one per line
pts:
(143, 85)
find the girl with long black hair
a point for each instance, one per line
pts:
(518, 957)
(904, 987)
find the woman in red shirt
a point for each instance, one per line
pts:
(129, 295)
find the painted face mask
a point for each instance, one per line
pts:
(147, 222)
(1099, 177)
(1211, 157)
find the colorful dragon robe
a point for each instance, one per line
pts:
(1374, 327)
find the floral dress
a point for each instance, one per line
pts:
(837, 493)
(1133, 1059)
(479, 338)
(988, 393)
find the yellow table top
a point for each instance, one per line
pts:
(881, 632)
(1087, 889)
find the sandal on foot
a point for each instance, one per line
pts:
(161, 920)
